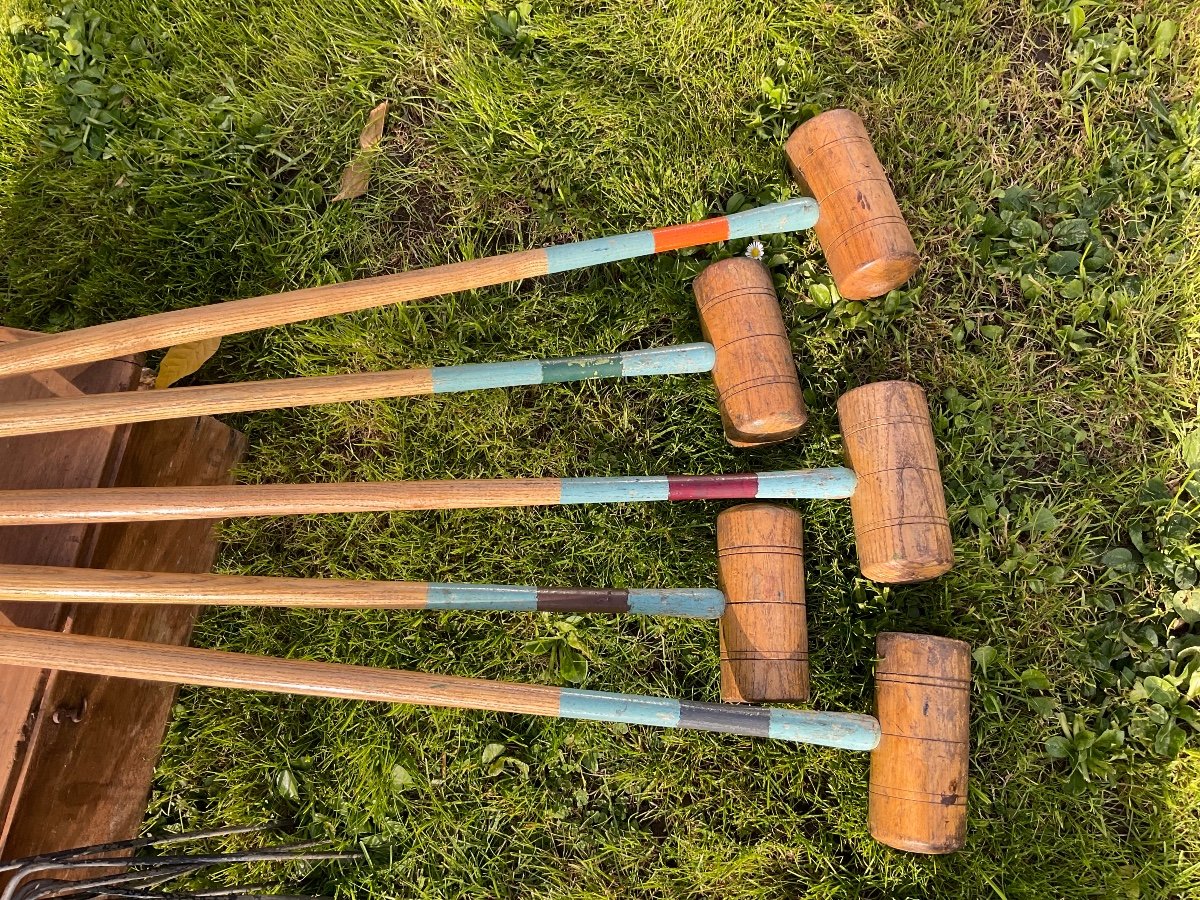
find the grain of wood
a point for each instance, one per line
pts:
(86, 782)
(85, 459)
(918, 790)
(69, 585)
(218, 669)
(861, 229)
(66, 414)
(764, 632)
(758, 388)
(901, 526)
(33, 507)
(237, 316)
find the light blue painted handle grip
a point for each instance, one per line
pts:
(847, 731)
(692, 603)
(598, 251)
(774, 218)
(681, 359)
(677, 360)
(695, 603)
(834, 483)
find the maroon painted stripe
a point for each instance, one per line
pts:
(712, 487)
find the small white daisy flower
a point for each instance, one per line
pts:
(756, 250)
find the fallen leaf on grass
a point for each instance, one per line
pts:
(184, 359)
(357, 177)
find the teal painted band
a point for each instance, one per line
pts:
(775, 218)
(566, 257)
(505, 597)
(601, 706)
(847, 731)
(680, 359)
(581, 368)
(835, 483)
(478, 376)
(696, 603)
(622, 489)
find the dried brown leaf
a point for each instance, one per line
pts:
(357, 177)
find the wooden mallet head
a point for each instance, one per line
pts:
(764, 635)
(918, 793)
(901, 527)
(866, 241)
(758, 388)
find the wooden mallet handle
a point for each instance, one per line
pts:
(113, 339)
(91, 411)
(139, 504)
(861, 229)
(758, 389)
(55, 584)
(214, 668)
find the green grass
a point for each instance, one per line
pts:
(1064, 408)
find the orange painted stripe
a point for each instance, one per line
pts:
(693, 234)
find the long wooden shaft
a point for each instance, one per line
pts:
(236, 316)
(216, 668)
(138, 504)
(66, 413)
(62, 584)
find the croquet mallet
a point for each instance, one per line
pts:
(858, 224)
(920, 738)
(749, 354)
(901, 530)
(895, 489)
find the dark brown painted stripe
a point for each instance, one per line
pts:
(582, 600)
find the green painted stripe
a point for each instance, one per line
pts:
(580, 368)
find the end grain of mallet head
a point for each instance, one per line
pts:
(901, 527)
(758, 389)
(860, 227)
(764, 635)
(918, 793)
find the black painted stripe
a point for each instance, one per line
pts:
(752, 720)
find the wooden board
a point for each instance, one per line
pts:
(77, 753)
(92, 749)
(75, 459)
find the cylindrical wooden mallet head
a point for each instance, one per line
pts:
(764, 635)
(918, 799)
(900, 521)
(758, 389)
(860, 227)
